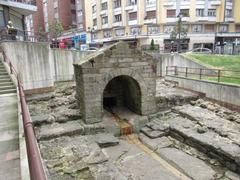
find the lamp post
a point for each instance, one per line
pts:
(91, 33)
(179, 31)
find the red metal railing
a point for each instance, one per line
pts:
(34, 158)
(218, 75)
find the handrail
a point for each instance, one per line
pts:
(34, 158)
(203, 72)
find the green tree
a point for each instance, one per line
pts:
(152, 45)
(56, 29)
(179, 28)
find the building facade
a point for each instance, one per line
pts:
(208, 22)
(15, 11)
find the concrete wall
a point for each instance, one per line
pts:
(63, 63)
(39, 66)
(224, 93)
(32, 61)
(164, 60)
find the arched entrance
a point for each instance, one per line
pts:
(122, 91)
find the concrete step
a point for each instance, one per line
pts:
(3, 73)
(9, 83)
(7, 87)
(8, 91)
(4, 77)
(5, 80)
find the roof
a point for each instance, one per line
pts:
(96, 54)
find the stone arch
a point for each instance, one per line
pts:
(108, 77)
(122, 91)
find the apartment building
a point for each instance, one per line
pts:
(208, 22)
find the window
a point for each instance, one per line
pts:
(104, 6)
(150, 2)
(107, 34)
(94, 9)
(118, 18)
(229, 13)
(95, 22)
(132, 16)
(209, 28)
(119, 32)
(153, 30)
(104, 20)
(223, 28)
(184, 12)
(212, 12)
(2, 22)
(171, 13)
(135, 31)
(168, 29)
(117, 3)
(199, 12)
(151, 15)
(237, 28)
(197, 28)
(132, 2)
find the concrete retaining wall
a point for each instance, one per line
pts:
(39, 66)
(63, 63)
(164, 60)
(229, 95)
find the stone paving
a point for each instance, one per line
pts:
(9, 140)
(197, 137)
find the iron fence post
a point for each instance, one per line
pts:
(200, 75)
(166, 70)
(219, 73)
(186, 73)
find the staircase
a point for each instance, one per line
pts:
(6, 84)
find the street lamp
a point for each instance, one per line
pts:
(179, 31)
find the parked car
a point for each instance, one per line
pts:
(201, 51)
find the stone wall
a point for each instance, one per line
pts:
(97, 70)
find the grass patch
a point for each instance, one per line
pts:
(223, 62)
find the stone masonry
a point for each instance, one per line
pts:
(134, 71)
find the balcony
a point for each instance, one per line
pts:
(229, 19)
(103, 13)
(117, 24)
(117, 10)
(172, 19)
(212, 19)
(215, 3)
(24, 7)
(228, 34)
(93, 2)
(151, 6)
(150, 21)
(105, 26)
(169, 3)
(132, 8)
(132, 22)
(203, 18)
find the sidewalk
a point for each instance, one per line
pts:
(9, 138)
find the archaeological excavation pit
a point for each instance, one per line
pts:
(118, 79)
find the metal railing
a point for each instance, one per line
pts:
(21, 35)
(34, 158)
(31, 2)
(217, 75)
